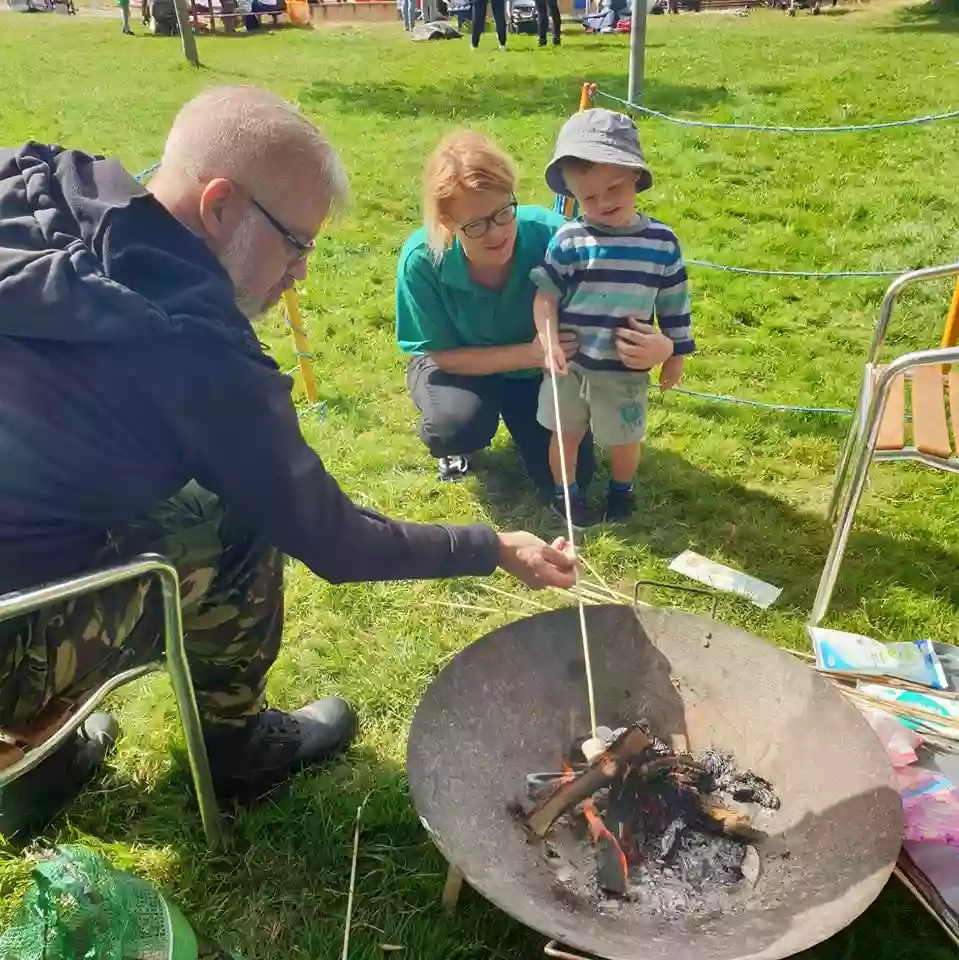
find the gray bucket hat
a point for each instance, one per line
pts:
(601, 136)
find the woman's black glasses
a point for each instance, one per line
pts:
(481, 226)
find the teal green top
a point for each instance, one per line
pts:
(438, 306)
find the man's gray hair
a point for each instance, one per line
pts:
(253, 138)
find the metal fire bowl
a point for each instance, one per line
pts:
(513, 702)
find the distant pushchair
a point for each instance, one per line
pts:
(462, 10)
(163, 20)
(608, 18)
(523, 17)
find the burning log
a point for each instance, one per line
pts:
(628, 748)
(632, 755)
(612, 868)
(658, 814)
(731, 822)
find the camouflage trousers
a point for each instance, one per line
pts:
(232, 595)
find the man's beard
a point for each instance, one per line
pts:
(235, 258)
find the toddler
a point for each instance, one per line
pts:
(610, 265)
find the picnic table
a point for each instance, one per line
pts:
(205, 15)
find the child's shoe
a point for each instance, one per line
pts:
(620, 502)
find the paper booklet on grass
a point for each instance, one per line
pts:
(721, 577)
(841, 652)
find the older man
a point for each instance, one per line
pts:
(138, 412)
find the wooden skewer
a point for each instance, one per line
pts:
(463, 606)
(514, 596)
(349, 901)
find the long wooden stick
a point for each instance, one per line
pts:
(571, 536)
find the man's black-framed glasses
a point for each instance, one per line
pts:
(482, 225)
(304, 249)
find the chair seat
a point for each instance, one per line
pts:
(918, 418)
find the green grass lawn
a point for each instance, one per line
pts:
(744, 486)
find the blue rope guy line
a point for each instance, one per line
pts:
(757, 272)
(827, 275)
(779, 407)
(143, 174)
(771, 128)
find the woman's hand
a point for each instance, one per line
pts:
(641, 346)
(567, 343)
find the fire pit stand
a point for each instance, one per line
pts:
(450, 899)
(514, 701)
(553, 949)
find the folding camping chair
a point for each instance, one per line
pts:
(893, 423)
(174, 662)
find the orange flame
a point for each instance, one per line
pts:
(598, 829)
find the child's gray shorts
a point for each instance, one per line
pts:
(612, 401)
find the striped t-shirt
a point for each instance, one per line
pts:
(603, 276)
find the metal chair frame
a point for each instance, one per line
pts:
(174, 662)
(859, 449)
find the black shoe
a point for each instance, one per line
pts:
(32, 801)
(557, 41)
(248, 762)
(581, 513)
(586, 462)
(453, 468)
(620, 505)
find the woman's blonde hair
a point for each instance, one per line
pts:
(464, 160)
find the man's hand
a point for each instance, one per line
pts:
(641, 346)
(670, 373)
(535, 562)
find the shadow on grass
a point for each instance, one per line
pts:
(925, 18)
(503, 95)
(682, 506)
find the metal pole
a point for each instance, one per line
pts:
(637, 52)
(186, 32)
(179, 671)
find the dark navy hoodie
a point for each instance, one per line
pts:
(126, 370)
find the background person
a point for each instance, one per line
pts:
(479, 21)
(124, 6)
(544, 10)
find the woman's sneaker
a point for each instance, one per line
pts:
(580, 512)
(452, 468)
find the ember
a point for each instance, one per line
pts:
(669, 830)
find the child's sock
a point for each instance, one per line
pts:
(618, 486)
(573, 489)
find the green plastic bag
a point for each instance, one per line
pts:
(81, 907)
